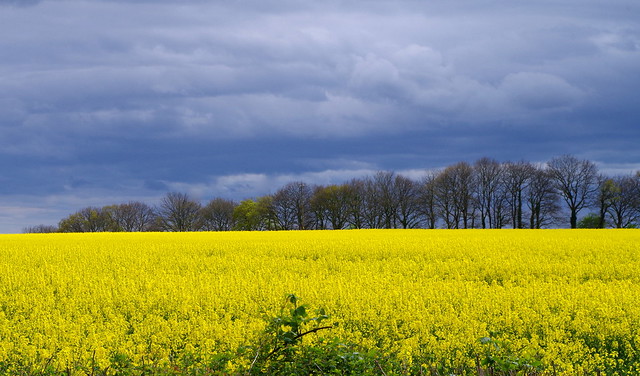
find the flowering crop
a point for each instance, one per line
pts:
(566, 299)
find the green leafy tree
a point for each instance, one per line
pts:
(89, 219)
(248, 216)
(591, 220)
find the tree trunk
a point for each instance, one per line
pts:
(519, 209)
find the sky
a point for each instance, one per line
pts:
(108, 101)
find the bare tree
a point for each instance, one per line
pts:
(500, 207)
(488, 178)
(427, 200)
(406, 193)
(302, 199)
(357, 203)
(542, 199)
(331, 206)
(575, 179)
(384, 200)
(40, 229)
(517, 177)
(132, 216)
(319, 211)
(367, 207)
(384, 195)
(178, 212)
(443, 196)
(454, 195)
(217, 215)
(625, 204)
(283, 208)
(464, 193)
(605, 194)
(292, 206)
(487, 194)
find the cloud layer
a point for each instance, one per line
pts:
(114, 99)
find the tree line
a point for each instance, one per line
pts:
(484, 194)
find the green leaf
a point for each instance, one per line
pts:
(292, 299)
(300, 311)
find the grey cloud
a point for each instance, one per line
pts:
(279, 60)
(156, 185)
(19, 3)
(540, 91)
(251, 185)
(141, 96)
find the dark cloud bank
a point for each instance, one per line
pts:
(105, 101)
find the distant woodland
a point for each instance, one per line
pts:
(564, 192)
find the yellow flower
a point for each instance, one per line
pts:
(565, 298)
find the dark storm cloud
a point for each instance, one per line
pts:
(118, 100)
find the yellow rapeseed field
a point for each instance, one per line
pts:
(568, 298)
